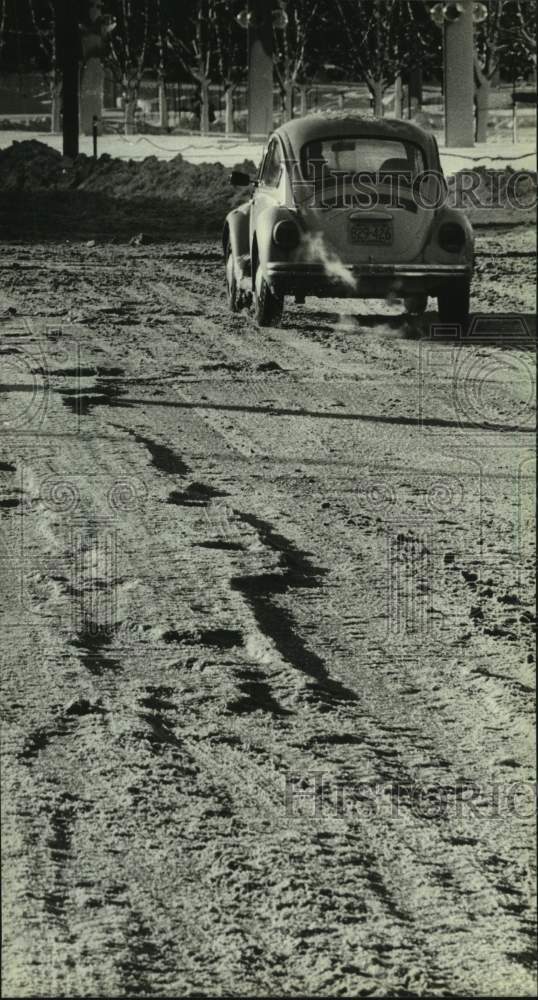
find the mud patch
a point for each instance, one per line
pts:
(83, 707)
(196, 495)
(92, 640)
(10, 503)
(278, 624)
(335, 739)
(221, 638)
(222, 366)
(143, 959)
(158, 699)
(83, 401)
(39, 740)
(256, 696)
(162, 458)
(89, 372)
(269, 366)
(158, 732)
(220, 546)
(60, 846)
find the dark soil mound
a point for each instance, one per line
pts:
(46, 196)
(42, 195)
(490, 188)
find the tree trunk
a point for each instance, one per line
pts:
(304, 100)
(163, 106)
(415, 88)
(398, 104)
(130, 108)
(204, 106)
(376, 89)
(228, 110)
(481, 99)
(67, 41)
(288, 100)
(55, 104)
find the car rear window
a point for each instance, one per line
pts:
(360, 155)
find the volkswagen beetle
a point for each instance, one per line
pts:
(348, 206)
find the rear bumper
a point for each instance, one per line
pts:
(364, 280)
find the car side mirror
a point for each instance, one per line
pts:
(239, 179)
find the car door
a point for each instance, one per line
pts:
(268, 184)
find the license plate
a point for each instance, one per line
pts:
(372, 233)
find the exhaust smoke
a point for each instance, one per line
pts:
(317, 252)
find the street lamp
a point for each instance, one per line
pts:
(442, 12)
(247, 19)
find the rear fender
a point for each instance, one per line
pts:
(268, 250)
(434, 254)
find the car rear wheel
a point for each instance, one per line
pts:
(453, 302)
(267, 306)
(232, 291)
(415, 305)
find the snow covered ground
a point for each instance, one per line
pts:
(268, 679)
(198, 149)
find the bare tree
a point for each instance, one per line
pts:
(504, 37)
(162, 50)
(487, 55)
(43, 17)
(294, 30)
(380, 39)
(519, 57)
(129, 49)
(525, 18)
(230, 55)
(3, 21)
(191, 41)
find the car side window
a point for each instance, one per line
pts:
(272, 167)
(259, 172)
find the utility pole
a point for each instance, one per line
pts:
(459, 73)
(68, 46)
(92, 73)
(260, 68)
(258, 18)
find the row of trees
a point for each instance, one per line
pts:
(373, 41)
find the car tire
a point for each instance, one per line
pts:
(453, 304)
(232, 291)
(267, 306)
(415, 305)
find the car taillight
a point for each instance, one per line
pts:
(286, 234)
(451, 237)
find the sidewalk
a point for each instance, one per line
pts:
(232, 150)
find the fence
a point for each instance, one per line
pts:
(183, 104)
(184, 115)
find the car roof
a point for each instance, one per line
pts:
(298, 131)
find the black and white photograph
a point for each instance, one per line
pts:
(267, 498)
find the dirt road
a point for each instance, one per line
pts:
(268, 678)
